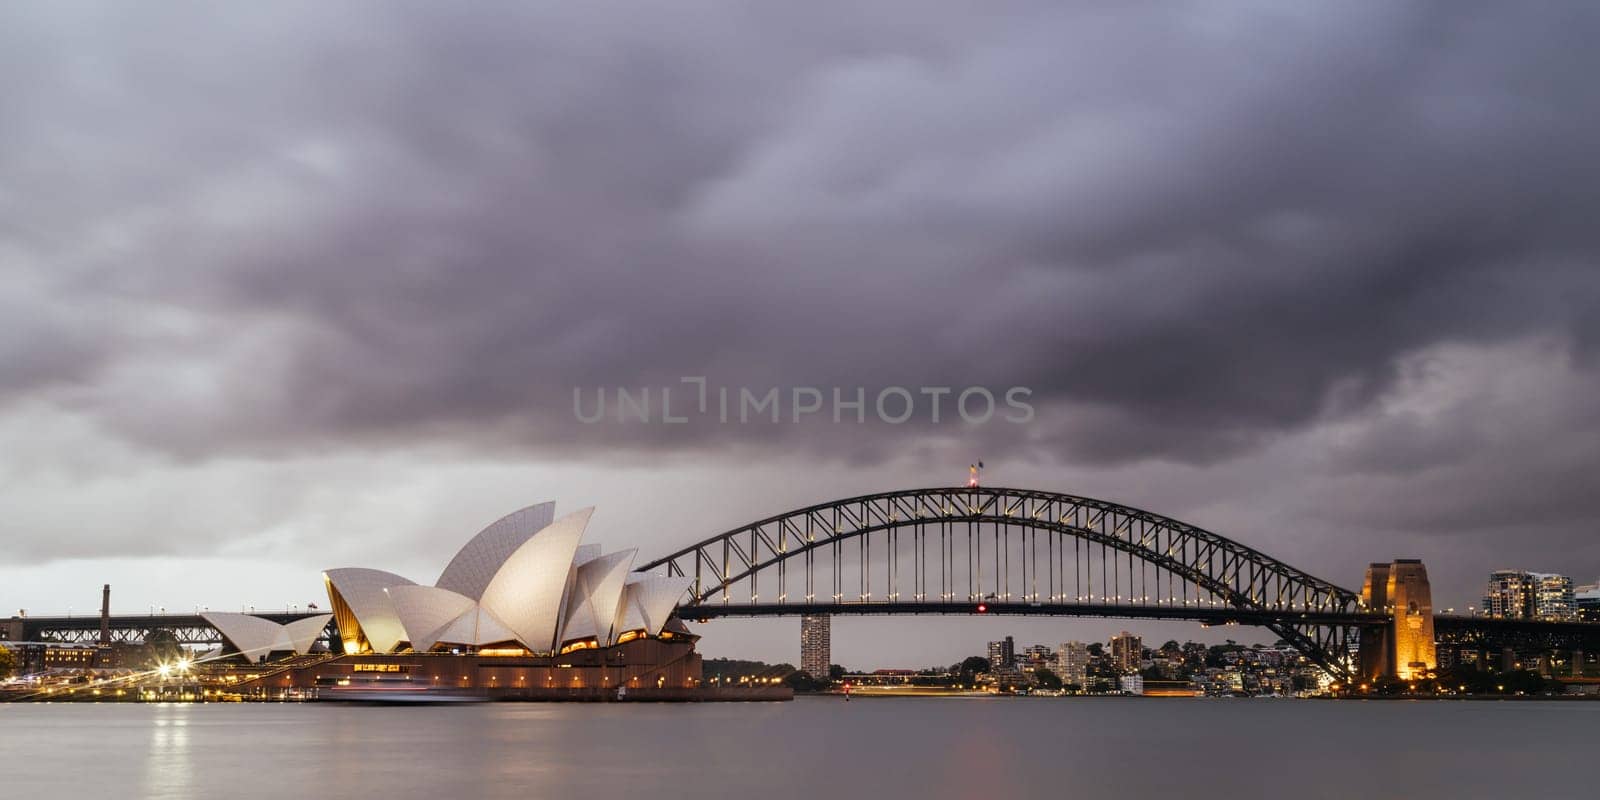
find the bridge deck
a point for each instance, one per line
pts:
(85, 629)
(1204, 614)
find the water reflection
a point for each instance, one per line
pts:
(168, 769)
(928, 749)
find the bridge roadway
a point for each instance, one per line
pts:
(1484, 632)
(1518, 634)
(193, 629)
(1206, 615)
(129, 628)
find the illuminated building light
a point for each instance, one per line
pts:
(498, 652)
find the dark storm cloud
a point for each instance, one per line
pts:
(1192, 230)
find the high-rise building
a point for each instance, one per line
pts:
(1038, 655)
(1127, 651)
(1520, 594)
(816, 647)
(1587, 601)
(1412, 599)
(1072, 663)
(1554, 598)
(1511, 594)
(1002, 656)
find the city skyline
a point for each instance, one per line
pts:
(754, 638)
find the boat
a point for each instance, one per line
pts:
(391, 690)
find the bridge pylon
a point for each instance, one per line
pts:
(1403, 649)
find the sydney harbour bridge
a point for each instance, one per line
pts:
(974, 550)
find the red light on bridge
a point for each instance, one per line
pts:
(982, 608)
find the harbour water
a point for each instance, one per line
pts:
(809, 748)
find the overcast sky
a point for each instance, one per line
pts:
(306, 286)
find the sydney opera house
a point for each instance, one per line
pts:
(524, 610)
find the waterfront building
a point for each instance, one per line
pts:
(1131, 684)
(1002, 656)
(1511, 594)
(1127, 652)
(1072, 663)
(1520, 594)
(524, 584)
(525, 610)
(816, 648)
(43, 657)
(1554, 598)
(1038, 655)
(1587, 603)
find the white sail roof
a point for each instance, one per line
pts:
(476, 627)
(648, 601)
(426, 611)
(254, 636)
(596, 596)
(528, 592)
(475, 565)
(363, 593)
(302, 634)
(526, 578)
(585, 553)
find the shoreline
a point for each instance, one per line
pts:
(1574, 698)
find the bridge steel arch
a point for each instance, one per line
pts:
(1124, 551)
